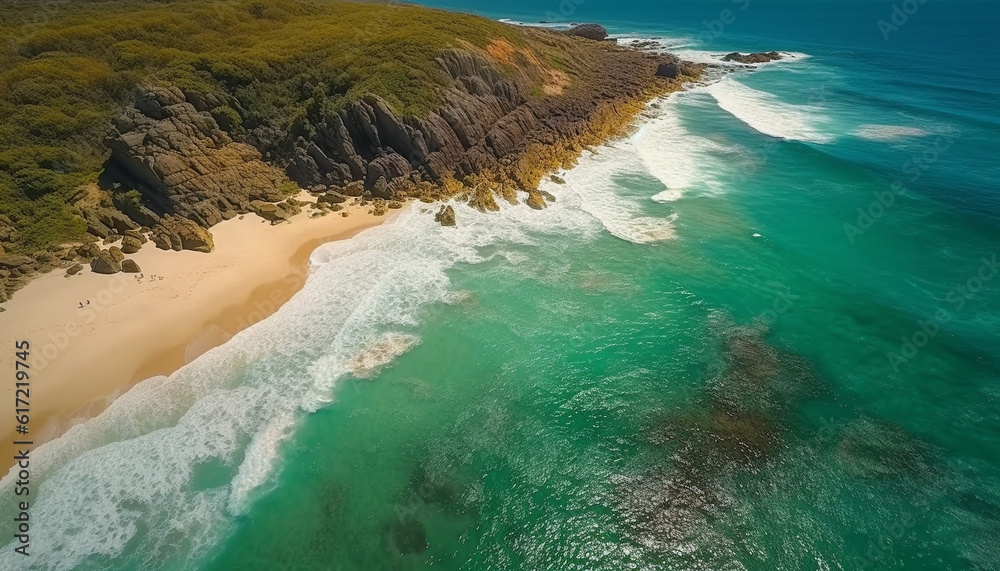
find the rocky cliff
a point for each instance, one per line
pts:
(186, 159)
(497, 106)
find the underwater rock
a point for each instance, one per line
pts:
(876, 449)
(408, 535)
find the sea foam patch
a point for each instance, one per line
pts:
(162, 473)
(765, 113)
(593, 183)
(676, 156)
(888, 132)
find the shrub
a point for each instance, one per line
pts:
(62, 81)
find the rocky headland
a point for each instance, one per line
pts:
(182, 159)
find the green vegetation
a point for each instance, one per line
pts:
(66, 72)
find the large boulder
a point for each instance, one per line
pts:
(331, 198)
(590, 31)
(130, 267)
(535, 200)
(74, 269)
(116, 253)
(445, 216)
(131, 245)
(272, 212)
(137, 235)
(88, 250)
(105, 263)
(176, 233)
(668, 70)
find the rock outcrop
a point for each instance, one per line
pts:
(130, 267)
(487, 122)
(506, 116)
(13, 262)
(105, 263)
(107, 222)
(183, 162)
(589, 31)
(176, 233)
(171, 145)
(535, 200)
(131, 244)
(173, 150)
(445, 216)
(756, 57)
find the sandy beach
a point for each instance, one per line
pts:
(134, 328)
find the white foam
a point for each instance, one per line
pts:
(675, 156)
(888, 132)
(764, 113)
(371, 359)
(259, 465)
(593, 187)
(131, 484)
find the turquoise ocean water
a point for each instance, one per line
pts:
(702, 356)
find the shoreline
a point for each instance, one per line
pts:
(191, 330)
(82, 359)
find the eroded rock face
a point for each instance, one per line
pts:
(130, 267)
(183, 163)
(169, 144)
(486, 120)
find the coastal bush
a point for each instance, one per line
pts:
(65, 74)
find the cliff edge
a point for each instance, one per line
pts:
(483, 111)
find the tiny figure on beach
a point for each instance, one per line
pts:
(81, 305)
(88, 302)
